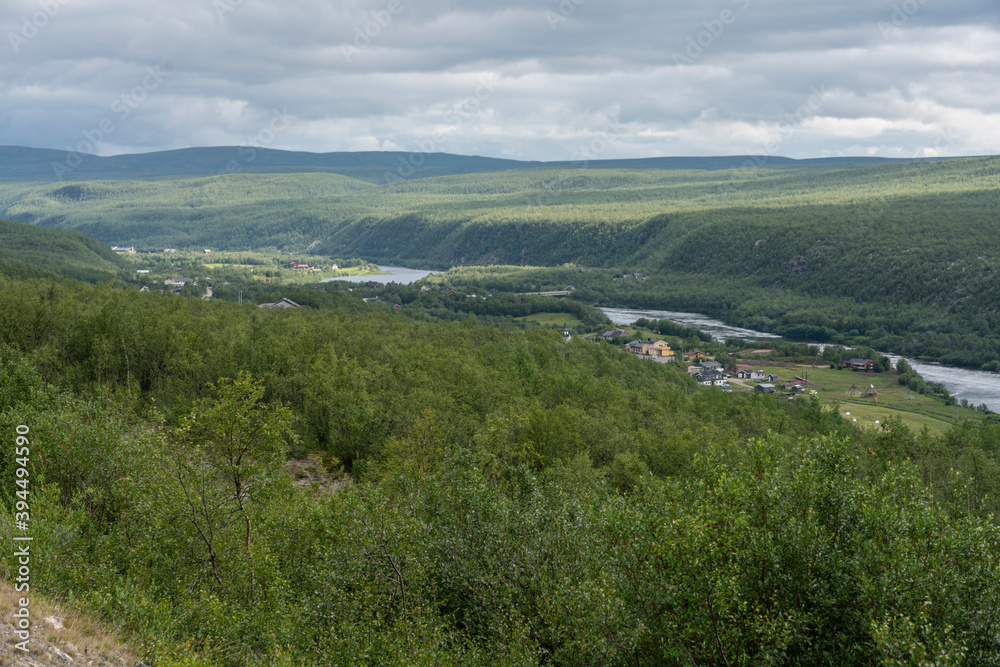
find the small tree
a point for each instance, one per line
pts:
(233, 447)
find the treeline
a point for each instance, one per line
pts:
(500, 309)
(668, 328)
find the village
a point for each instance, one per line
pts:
(864, 391)
(712, 372)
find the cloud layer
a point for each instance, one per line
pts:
(545, 79)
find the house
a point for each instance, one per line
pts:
(117, 249)
(296, 265)
(757, 375)
(284, 303)
(177, 282)
(764, 388)
(207, 251)
(709, 365)
(772, 378)
(170, 250)
(640, 276)
(860, 364)
(614, 333)
(142, 271)
(651, 348)
(744, 374)
(144, 289)
(712, 378)
(696, 355)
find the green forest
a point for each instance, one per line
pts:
(477, 492)
(962, 335)
(900, 256)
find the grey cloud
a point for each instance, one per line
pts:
(390, 73)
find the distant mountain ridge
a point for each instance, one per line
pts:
(19, 163)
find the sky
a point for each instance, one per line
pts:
(522, 79)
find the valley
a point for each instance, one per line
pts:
(900, 256)
(262, 441)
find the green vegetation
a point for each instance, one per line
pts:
(962, 334)
(28, 251)
(555, 319)
(43, 165)
(902, 257)
(497, 495)
(914, 409)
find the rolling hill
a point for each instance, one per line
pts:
(873, 250)
(28, 251)
(19, 163)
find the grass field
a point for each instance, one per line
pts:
(831, 385)
(546, 319)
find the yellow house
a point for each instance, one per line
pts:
(650, 348)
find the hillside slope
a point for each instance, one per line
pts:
(902, 249)
(32, 251)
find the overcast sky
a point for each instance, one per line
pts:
(526, 79)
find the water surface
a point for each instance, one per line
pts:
(397, 274)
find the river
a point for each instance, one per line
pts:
(977, 387)
(397, 274)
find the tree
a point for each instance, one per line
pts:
(233, 447)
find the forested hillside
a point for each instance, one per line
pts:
(27, 250)
(475, 495)
(900, 255)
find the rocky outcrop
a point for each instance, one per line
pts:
(798, 265)
(58, 637)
